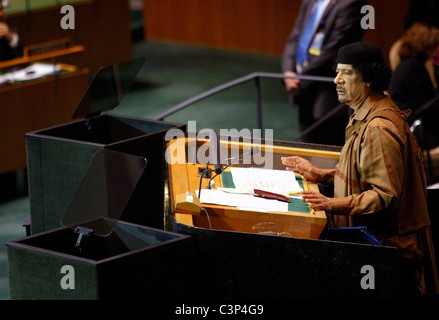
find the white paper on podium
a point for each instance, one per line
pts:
(242, 201)
(34, 71)
(281, 181)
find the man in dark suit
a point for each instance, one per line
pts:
(338, 23)
(10, 47)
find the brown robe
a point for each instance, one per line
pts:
(380, 183)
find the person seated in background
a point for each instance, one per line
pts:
(10, 47)
(412, 85)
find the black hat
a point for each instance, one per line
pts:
(358, 52)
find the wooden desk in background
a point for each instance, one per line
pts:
(40, 57)
(103, 27)
(34, 105)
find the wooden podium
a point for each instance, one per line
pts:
(299, 221)
(231, 261)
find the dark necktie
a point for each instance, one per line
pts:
(308, 33)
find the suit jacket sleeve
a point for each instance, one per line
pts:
(342, 26)
(289, 54)
(7, 52)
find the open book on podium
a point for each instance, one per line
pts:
(231, 203)
(255, 188)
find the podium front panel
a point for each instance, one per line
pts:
(58, 158)
(133, 262)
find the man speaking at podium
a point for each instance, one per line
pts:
(10, 47)
(379, 181)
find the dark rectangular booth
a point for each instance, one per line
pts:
(238, 265)
(95, 255)
(57, 157)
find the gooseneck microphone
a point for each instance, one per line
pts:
(215, 151)
(253, 151)
(214, 155)
(215, 160)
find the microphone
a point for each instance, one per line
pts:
(214, 148)
(214, 154)
(253, 151)
(215, 151)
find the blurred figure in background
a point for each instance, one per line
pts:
(414, 86)
(422, 11)
(10, 47)
(413, 82)
(426, 11)
(321, 28)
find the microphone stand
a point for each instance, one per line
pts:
(201, 180)
(222, 170)
(215, 150)
(251, 152)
